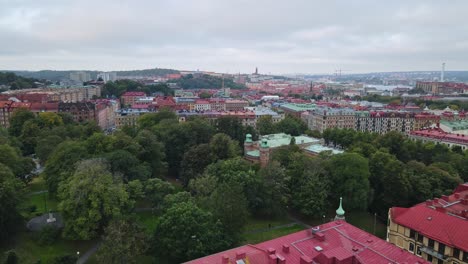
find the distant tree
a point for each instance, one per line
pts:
(204, 95)
(223, 147)
(90, 199)
(265, 125)
(232, 127)
(49, 119)
(149, 120)
(192, 165)
(18, 119)
(291, 125)
(123, 241)
(186, 232)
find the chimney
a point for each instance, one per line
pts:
(445, 198)
(271, 251)
(240, 255)
(286, 248)
(225, 259)
(320, 237)
(281, 259)
(273, 259)
(305, 260)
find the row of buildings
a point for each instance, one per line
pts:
(380, 122)
(102, 111)
(54, 93)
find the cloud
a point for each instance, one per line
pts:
(236, 36)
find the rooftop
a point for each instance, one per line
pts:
(443, 219)
(334, 242)
(439, 134)
(319, 148)
(299, 107)
(455, 125)
(282, 139)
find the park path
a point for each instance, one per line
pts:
(38, 192)
(88, 253)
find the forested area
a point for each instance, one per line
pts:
(201, 190)
(117, 88)
(205, 81)
(15, 82)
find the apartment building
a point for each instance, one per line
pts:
(435, 230)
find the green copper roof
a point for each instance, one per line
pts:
(282, 139)
(253, 153)
(264, 143)
(299, 107)
(248, 138)
(340, 211)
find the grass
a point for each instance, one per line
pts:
(262, 223)
(37, 184)
(148, 220)
(365, 221)
(254, 238)
(29, 251)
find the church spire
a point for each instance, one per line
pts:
(340, 212)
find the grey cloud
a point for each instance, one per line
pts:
(277, 36)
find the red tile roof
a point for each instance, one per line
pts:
(439, 134)
(134, 94)
(335, 242)
(444, 219)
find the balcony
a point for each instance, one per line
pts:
(433, 253)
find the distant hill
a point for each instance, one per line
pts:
(15, 82)
(204, 81)
(60, 75)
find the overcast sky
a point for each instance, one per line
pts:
(289, 36)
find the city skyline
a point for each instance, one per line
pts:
(278, 38)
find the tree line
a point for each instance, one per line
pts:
(100, 180)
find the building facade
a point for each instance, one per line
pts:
(435, 230)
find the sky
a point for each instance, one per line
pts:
(231, 36)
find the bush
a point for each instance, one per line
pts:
(65, 259)
(48, 235)
(11, 257)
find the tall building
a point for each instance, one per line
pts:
(107, 76)
(436, 230)
(80, 76)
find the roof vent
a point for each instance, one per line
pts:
(286, 248)
(315, 229)
(355, 249)
(429, 218)
(318, 248)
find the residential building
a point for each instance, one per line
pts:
(80, 111)
(336, 242)
(436, 230)
(442, 87)
(236, 105)
(297, 109)
(80, 76)
(107, 76)
(128, 117)
(438, 136)
(130, 98)
(200, 105)
(322, 118)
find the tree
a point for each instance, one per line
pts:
(156, 189)
(232, 127)
(90, 199)
(19, 165)
(19, 117)
(61, 163)
(123, 241)
(126, 165)
(149, 120)
(46, 145)
(204, 95)
(223, 147)
(349, 173)
(265, 125)
(186, 232)
(10, 196)
(228, 204)
(292, 126)
(152, 152)
(275, 193)
(49, 119)
(194, 162)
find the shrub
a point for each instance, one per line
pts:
(48, 235)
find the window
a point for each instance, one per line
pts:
(411, 247)
(441, 249)
(429, 258)
(418, 251)
(412, 234)
(439, 261)
(456, 253)
(431, 243)
(465, 256)
(420, 238)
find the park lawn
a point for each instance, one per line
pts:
(147, 219)
(264, 223)
(365, 221)
(40, 200)
(29, 251)
(37, 184)
(254, 238)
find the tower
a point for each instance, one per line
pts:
(248, 143)
(442, 73)
(340, 212)
(264, 153)
(256, 71)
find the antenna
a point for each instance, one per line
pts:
(442, 72)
